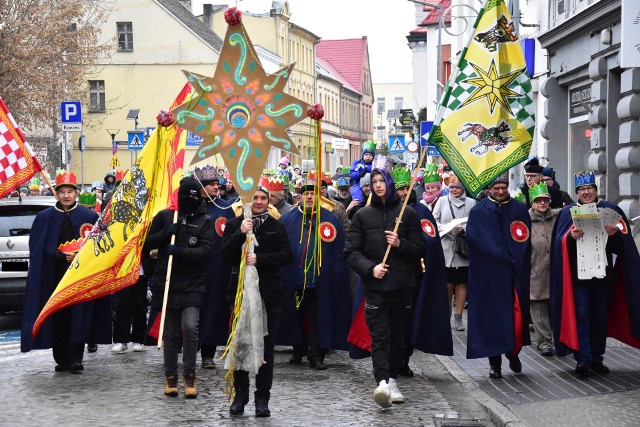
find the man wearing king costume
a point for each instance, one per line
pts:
(321, 320)
(56, 236)
(214, 317)
(499, 248)
(585, 312)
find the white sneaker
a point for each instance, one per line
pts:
(138, 347)
(394, 392)
(381, 395)
(119, 348)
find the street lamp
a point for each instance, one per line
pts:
(439, 58)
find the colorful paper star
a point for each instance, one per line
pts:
(241, 112)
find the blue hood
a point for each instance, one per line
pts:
(388, 179)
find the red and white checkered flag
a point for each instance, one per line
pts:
(17, 161)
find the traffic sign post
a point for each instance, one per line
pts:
(425, 130)
(71, 118)
(396, 143)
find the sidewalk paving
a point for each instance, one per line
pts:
(548, 393)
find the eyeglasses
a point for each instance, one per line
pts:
(586, 189)
(547, 179)
(542, 201)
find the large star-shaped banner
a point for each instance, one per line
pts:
(241, 112)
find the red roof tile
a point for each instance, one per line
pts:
(432, 18)
(347, 56)
(332, 72)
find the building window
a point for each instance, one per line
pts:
(398, 101)
(381, 106)
(96, 96)
(125, 36)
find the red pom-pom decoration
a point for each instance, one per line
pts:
(316, 111)
(233, 16)
(164, 118)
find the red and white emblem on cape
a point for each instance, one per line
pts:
(428, 228)
(85, 230)
(622, 226)
(328, 231)
(220, 224)
(519, 231)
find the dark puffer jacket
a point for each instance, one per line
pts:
(273, 251)
(195, 240)
(366, 242)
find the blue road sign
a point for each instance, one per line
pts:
(71, 111)
(432, 150)
(396, 144)
(193, 139)
(135, 140)
(425, 130)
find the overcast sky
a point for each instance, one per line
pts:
(386, 24)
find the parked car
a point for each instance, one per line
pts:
(16, 218)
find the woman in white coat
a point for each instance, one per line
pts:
(453, 206)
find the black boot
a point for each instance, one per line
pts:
(239, 400)
(262, 404)
(317, 363)
(405, 370)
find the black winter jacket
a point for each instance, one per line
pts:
(366, 244)
(273, 251)
(194, 237)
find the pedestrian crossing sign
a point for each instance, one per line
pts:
(397, 144)
(135, 140)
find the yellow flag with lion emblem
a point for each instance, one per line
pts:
(486, 120)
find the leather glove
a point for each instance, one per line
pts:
(173, 250)
(363, 172)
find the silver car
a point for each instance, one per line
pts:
(16, 217)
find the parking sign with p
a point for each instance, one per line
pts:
(71, 115)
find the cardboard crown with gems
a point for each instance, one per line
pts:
(275, 183)
(206, 174)
(584, 178)
(539, 190)
(431, 175)
(369, 147)
(343, 181)
(66, 178)
(401, 176)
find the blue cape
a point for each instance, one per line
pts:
(214, 317)
(431, 327)
(624, 307)
(334, 299)
(499, 245)
(91, 321)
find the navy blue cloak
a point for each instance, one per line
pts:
(90, 321)
(431, 327)
(624, 308)
(499, 246)
(334, 299)
(214, 316)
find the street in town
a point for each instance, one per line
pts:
(126, 389)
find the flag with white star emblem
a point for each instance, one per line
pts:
(486, 122)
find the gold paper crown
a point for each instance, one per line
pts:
(72, 246)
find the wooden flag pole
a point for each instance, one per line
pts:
(414, 176)
(45, 175)
(166, 286)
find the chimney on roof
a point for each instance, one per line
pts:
(207, 15)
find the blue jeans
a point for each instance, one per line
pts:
(591, 299)
(183, 320)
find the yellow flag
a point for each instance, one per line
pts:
(110, 257)
(486, 118)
